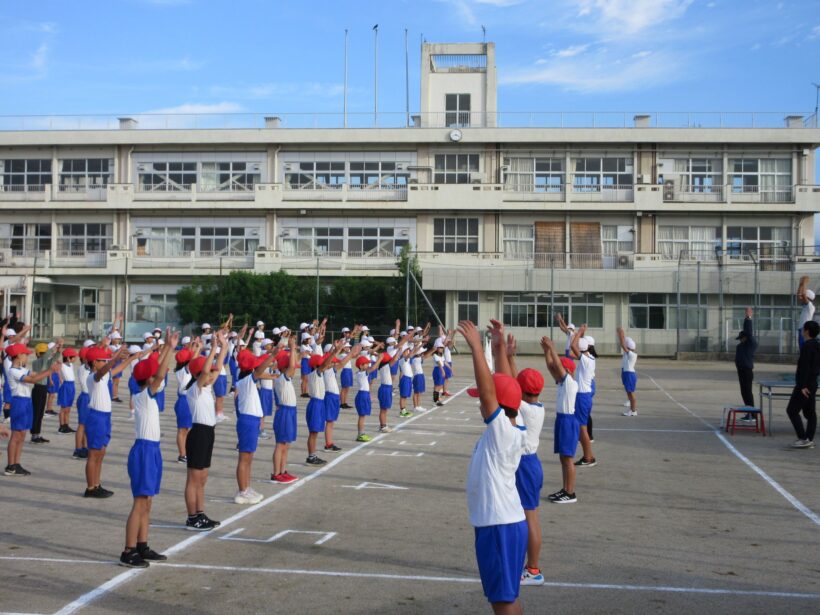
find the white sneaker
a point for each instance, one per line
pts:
(630, 413)
(131, 416)
(220, 418)
(528, 578)
(243, 497)
(627, 404)
(257, 497)
(385, 429)
(420, 409)
(264, 435)
(802, 444)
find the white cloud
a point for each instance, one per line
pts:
(815, 33)
(642, 54)
(711, 5)
(39, 58)
(568, 52)
(183, 64)
(499, 3)
(628, 17)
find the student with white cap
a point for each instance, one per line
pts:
(629, 376)
(266, 389)
(116, 342)
(569, 330)
(305, 352)
(805, 296)
(585, 374)
(438, 370)
(346, 373)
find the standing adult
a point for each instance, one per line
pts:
(745, 362)
(805, 388)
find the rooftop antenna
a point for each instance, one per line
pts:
(345, 86)
(816, 101)
(376, 75)
(406, 82)
(483, 34)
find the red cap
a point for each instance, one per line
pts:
(183, 356)
(386, 358)
(531, 381)
(83, 352)
(69, 352)
(197, 365)
(362, 362)
(507, 391)
(18, 349)
(248, 361)
(568, 364)
(316, 360)
(95, 353)
(283, 360)
(145, 369)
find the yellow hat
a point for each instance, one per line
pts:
(41, 348)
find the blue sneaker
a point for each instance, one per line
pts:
(532, 576)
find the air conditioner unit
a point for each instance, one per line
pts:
(476, 178)
(285, 232)
(624, 260)
(254, 232)
(404, 233)
(668, 190)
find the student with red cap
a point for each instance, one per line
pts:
(567, 428)
(315, 415)
(21, 382)
(144, 458)
(362, 400)
(67, 390)
(492, 499)
(284, 421)
(385, 392)
(583, 350)
(83, 371)
(199, 444)
(181, 408)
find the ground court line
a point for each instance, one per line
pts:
(448, 579)
(120, 579)
(791, 499)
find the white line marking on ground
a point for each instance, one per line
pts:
(406, 443)
(366, 485)
(808, 512)
(234, 536)
(445, 579)
(394, 454)
(655, 430)
(89, 597)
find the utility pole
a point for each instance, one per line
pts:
(816, 102)
(375, 76)
(344, 104)
(317, 287)
(407, 82)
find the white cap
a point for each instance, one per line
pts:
(186, 340)
(259, 323)
(116, 335)
(810, 295)
(571, 326)
(590, 340)
(277, 331)
(147, 346)
(630, 343)
(583, 345)
(146, 335)
(411, 328)
(439, 343)
(365, 344)
(391, 340)
(155, 329)
(365, 328)
(345, 329)
(419, 329)
(327, 347)
(88, 343)
(232, 334)
(303, 326)
(205, 325)
(306, 336)
(284, 328)
(267, 341)
(258, 335)
(51, 345)
(134, 349)
(347, 345)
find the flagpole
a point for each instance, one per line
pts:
(376, 75)
(344, 113)
(406, 81)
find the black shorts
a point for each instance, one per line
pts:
(199, 446)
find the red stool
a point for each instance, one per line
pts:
(730, 412)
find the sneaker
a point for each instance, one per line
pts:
(213, 523)
(532, 577)
(420, 409)
(795, 444)
(131, 416)
(97, 492)
(149, 555)
(38, 439)
(346, 406)
(264, 434)
(117, 399)
(630, 413)
(447, 394)
(385, 429)
(556, 495)
(132, 559)
(50, 413)
(283, 478)
(363, 437)
(332, 448)
(583, 462)
(16, 470)
(256, 494)
(243, 497)
(182, 459)
(439, 403)
(77, 454)
(306, 395)
(405, 413)
(107, 492)
(200, 523)
(65, 429)
(627, 404)
(221, 418)
(289, 477)
(565, 498)
(315, 461)
(746, 419)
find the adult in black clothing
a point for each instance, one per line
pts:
(805, 387)
(745, 362)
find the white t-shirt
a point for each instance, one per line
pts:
(267, 383)
(568, 346)
(331, 384)
(492, 498)
(362, 380)
(183, 378)
(257, 348)
(201, 403)
(67, 372)
(585, 372)
(385, 377)
(565, 395)
(405, 369)
(448, 356)
(18, 387)
(99, 398)
(438, 359)
(806, 313)
(415, 362)
(347, 365)
(285, 391)
(146, 416)
(628, 360)
(83, 379)
(531, 416)
(316, 385)
(248, 396)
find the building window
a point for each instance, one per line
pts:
(772, 313)
(82, 174)
(154, 309)
(230, 176)
(175, 242)
(700, 174)
(769, 177)
(697, 242)
(378, 241)
(519, 241)
(535, 310)
(26, 239)
(767, 243)
(377, 174)
(457, 107)
(660, 311)
(313, 175)
(468, 305)
(167, 176)
(595, 174)
(227, 241)
(616, 239)
(534, 174)
(455, 234)
(25, 175)
(456, 168)
(353, 237)
(80, 239)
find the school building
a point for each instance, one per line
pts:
(668, 224)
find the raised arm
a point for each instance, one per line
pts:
(204, 378)
(512, 349)
(171, 341)
(121, 355)
(483, 377)
(556, 369)
(294, 357)
(499, 346)
(801, 289)
(576, 351)
(35, 378)
(622, 339)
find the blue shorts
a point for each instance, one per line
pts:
(53, 383)
(363, 403)
(438, 376)
(305, 366)
(333, 404)
(629, 380)
(145, 468)
(160, 399)
(98, 429)
(583, 407)
(266, 400)
(372, 375)
(6, 389)
(347, 378)
(592, 386)
(405, 387)
(110, 387)
(183, 412)
(284, 424)
(315, 415)
(800, 340)
(133, 387)
(119, 375)
(418, 383)
(394, 369)
(21, 413)
(567, 432)
(65, 396)
(221, 386)
(82, 408)
(529, 478)
(448, 372)
(385, 395)
(501, 551)
(233, 368)
(247, 429)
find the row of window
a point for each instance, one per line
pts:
(231, 176)
(197, 240)
(370, 241)
(334, 174)
(74, 174)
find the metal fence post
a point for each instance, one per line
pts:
(720, 298)
(552, 296)
(677, 283)
(698, 312)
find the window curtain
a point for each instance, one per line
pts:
(519, 175)
(518, 240)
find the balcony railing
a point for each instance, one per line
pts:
(24, 192)
(345, 192)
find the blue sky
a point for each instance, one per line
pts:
(132, 56)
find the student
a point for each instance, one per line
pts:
(569, 330)
(252, 369)
(362, 400)
(21, 382)
(116, 341)
(416, 360)
(145, 458)
(567, 428)
(67, 390)
(199, 445)
(220, 385)
(805, 388)
(492, 499)
(332, 398)
(406, 377)
(305, 351)
(181, 408)
(315, 413)
(629, 376)
(448, 363)
(98, 420)
(52, 386)
(583, 399)
(805, 296)
(266, 389)
(385, 392)
(44, 357)
(80, 448)
(284, 421)
(438, 371)
(346, 373)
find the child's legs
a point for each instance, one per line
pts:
(146, 518)
(585, 443)
(79, 436)
(182, 435)
(633, 402)
(195, 490)
(93, 467)
(219, 404)
(533, 537)
(568, 473)
(507, 608)
(311, 442)
(328, 432)
(137, 518)
(278, 456)
(116, 387)
(15, 449)
(64, 416)
(243, 471)
(360, 424)
(416, 400)
(343, 395)
(382, 417)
